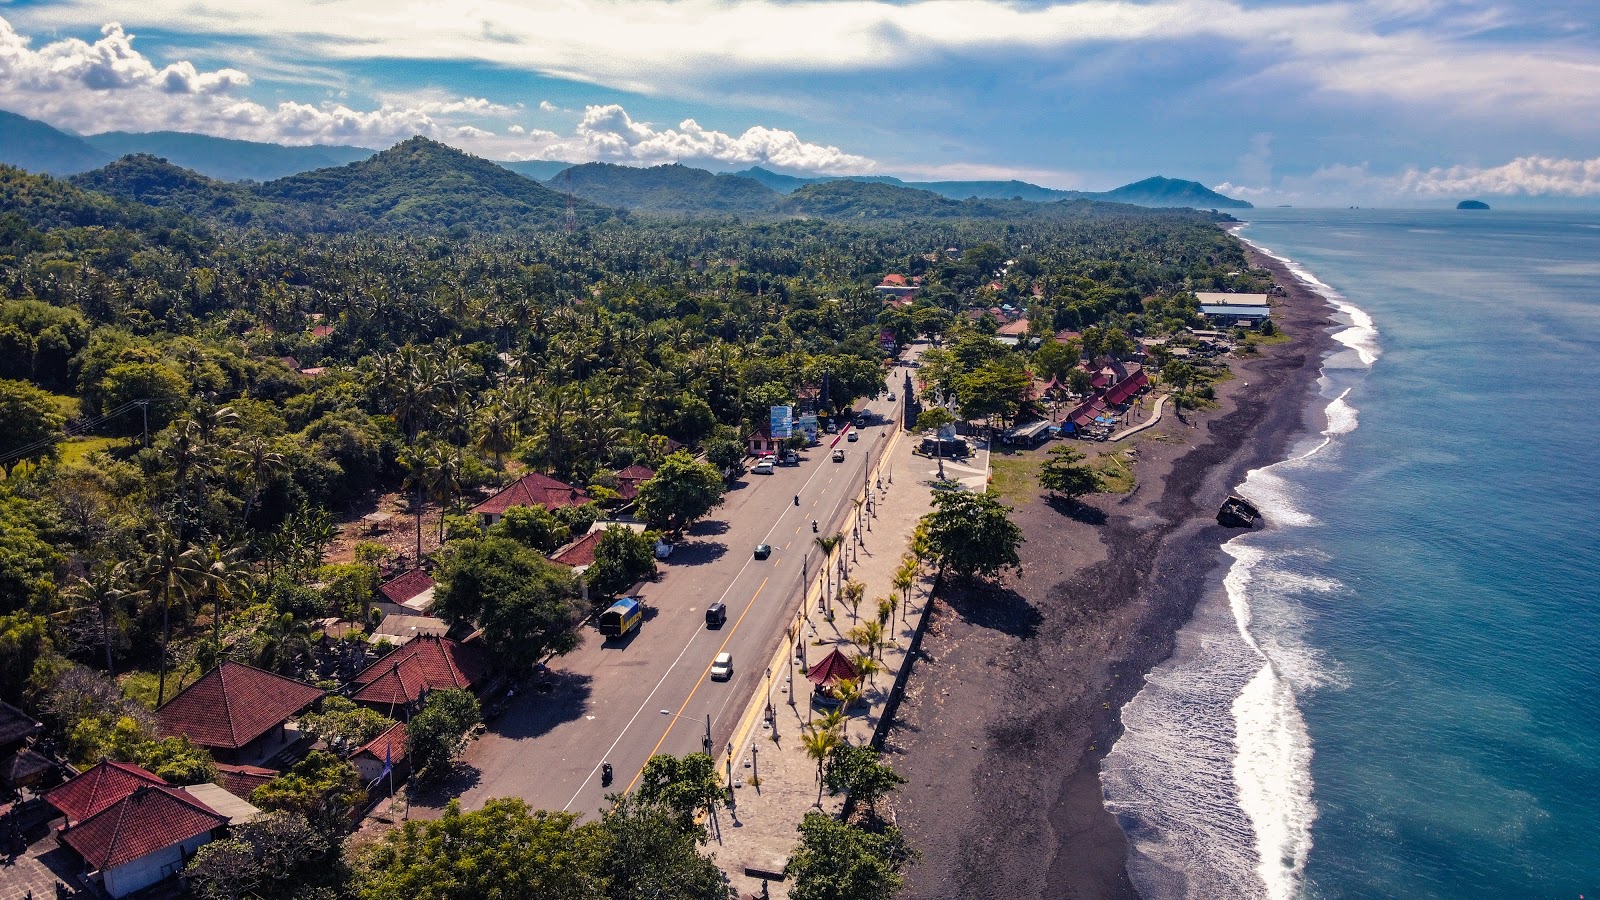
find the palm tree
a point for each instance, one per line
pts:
(848, 692)
(415, 461)
(172, 570)
(444, 479)
(819, 744)
(905, 578)
(256, 458)
(226, 572)
(496, 431)
(108, 590)
(854, 592)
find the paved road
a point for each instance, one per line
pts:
(608, 697)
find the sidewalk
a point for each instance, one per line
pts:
(775, 779)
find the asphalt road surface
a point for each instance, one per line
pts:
(605, 700)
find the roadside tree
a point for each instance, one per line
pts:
(622, 557)
(972, 534)
(860, 773)
(527, 606)
(681, 492)
(436, 732)
(838, 861)
(685, 785)
(647, 854)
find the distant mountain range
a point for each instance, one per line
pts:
(677, 190)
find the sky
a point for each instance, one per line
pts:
(1365, 102)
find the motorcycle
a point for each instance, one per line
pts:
(813, 526)
(605, 774)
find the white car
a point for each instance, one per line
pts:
(763, 467)
(722, 667)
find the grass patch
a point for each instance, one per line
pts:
(1015, 480)
(1115, 471)
(76, 450)
(1257, 339)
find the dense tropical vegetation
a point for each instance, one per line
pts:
(205, 385)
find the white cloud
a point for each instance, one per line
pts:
(1527, 176)
(110, 85)
(1429, 52)
(547, 106)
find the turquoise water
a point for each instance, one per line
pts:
(1395, 692)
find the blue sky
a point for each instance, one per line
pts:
(1352, 101)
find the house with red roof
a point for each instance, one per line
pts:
(242, 781)
(761, 441)
(98, 787)
(397, 684)
(370, 758)
(238, 712)
(144, 837)
(532, 489)
(407, 594)
(897, 286)
(580, 553)
(629, 480)
(20, 764)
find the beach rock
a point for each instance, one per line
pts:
(1237, 512)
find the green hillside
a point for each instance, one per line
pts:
(421, 183)
(666, 189)
(145, 179)
(1159, 191)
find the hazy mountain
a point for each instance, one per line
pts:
(152, 181)
(421, 183)
(1160, 191)
(226, 159)
(1155, 191)
(537, 169)
(666, 189)
(33, 145)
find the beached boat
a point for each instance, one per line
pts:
(1237, 512)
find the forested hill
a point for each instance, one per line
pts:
(859, 200)
(421, 183)
(147, 180)
(666, 189)
(1159, 191)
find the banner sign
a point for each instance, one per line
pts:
(782, 421)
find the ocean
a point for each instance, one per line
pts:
(1394, 689)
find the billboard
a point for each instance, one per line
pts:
(782, 422)
(808, 424)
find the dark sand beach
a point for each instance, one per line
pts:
(1009, 713)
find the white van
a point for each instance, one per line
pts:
(764, 467)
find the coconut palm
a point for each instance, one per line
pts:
(854, 593)
(226, 573)
(256, 459)
(819, 743)
(496, 430)
(108, 590)
(173, 570)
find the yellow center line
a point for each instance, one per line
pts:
(699, 681)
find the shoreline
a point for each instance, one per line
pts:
(1019, 696)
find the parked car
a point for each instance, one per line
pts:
(838, 455)
(791, 458)
(763, 551)
(833, 428)
(853, 436)
(722, 667)
(716, 615)
(764, 467)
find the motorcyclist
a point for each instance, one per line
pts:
(813, 525)
(796, 499)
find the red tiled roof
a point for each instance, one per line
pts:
(1086, 411)
(1067, 335)
(893, 278)
(580, 552)
(234, 704)
(833, 667)
(404, 587)
(427, 663)
(391, 742)
(322, 330)
(1126, 388)
(629, 479)
(1017, 328)
(98, 787)
(241, 781)
(533, 489)
(149, 819)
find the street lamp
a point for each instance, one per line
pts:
(705, 741)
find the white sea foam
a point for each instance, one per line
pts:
(1213, 773)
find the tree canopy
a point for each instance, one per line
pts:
(526, 605)
(972, 534)
(681, 492)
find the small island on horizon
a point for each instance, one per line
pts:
(1472, 204)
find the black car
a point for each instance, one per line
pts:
(763, 551)
(716, 615)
